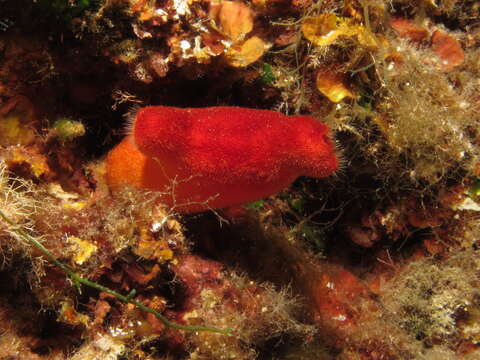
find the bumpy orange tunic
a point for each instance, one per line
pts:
(219, 156)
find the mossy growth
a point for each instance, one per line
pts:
(263, 314)
(18, 203)
(425, 117)
(437, 301)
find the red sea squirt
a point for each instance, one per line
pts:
(218, 157)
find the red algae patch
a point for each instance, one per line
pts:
(408, 29)
(219, 156)
(448, 49)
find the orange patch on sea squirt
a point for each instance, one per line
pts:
(218, 157)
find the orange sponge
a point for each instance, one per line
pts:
(219, 156)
